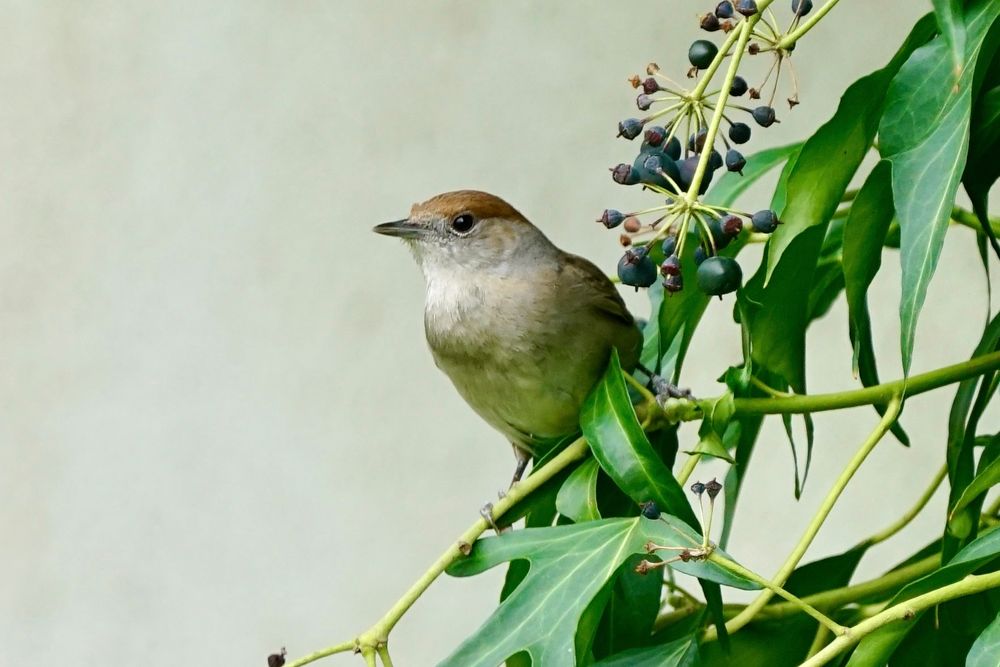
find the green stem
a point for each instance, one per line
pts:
(879, 394)
(378, 634)
(383, 654)
(838, 597)
(798, 603)
(906, 612)
(901, 523)
(788, 40)
(744, 617)
(970, 219)
(689, 466)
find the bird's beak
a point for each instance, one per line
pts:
(403, 229)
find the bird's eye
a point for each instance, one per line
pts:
(463, 223)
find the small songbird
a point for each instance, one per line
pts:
(523, 329)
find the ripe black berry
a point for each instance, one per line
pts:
(735, 160)
(686, 169)
(650, 85)
(732, 225)
(697, 488)
(719, 236)
(764, 221)
(654, 136)
(702, 53)
(625, 174)
(719, 275)
(277, 659)
(739, 86)
(802, 7)
(709, 23)
(671, 266)
(713, 488)
(650, 510)
(611, 218)
(696, 142)
(630, 128)
(700, 255)
(673, 148)
(764, 116)
(669, 245)
(673, 284)
(746, 7)
(739, 133)
(724, 10)
(636, 269)
(714, 160)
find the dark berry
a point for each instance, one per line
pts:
(697, 488)
(702, 53)
(714, 160)
(673, 148)
(650, 510)
(700, 255)
(611, 218)
(746, 7)
(732, 226)
(764, 221)
(654, 136)
(709, 22)
(630, 128)
(632, 225)
(724, 10)
(650, 85)
(739, 86)
(671, 266)
(643, 102)
(719, 237)
(686, 169)
(719, 275)
(276, 659)
(713, 489)
(673, 284)
(636, 269)
(625, 174)
(802, 7)
(696, 142)
(735, 160)
(764, 116)
(739, 133)
(669, 245)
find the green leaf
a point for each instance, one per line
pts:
(679, 653)
(577, 497)
(925, 134)
(950, 23)
(987, 477)
(864, 233)
(981, 167)
(568, 567)
(817, 183)
(671, 327)
(962, 420)
(985, 651)
(621, 448)
(876, 648)
(630, 610)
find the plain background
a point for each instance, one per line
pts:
(221, 431)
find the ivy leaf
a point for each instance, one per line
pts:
(817, 183)
(568, 567)
(987, 475)
(679, 653)
(981, 169)
(962, 420)
(728, 188)
(864, 234)
(877, 647)
(621, 448)
(925, 134)
(985, 652)
(950, 23)
(577, 498)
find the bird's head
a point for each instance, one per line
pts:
(467, 229)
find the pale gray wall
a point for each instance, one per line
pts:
(221, 431)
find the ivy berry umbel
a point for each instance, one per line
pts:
(686, 136)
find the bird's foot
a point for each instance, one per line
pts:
(664, 389)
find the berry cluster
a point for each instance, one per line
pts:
(682, 171)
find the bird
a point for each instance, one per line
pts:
(523, 329)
